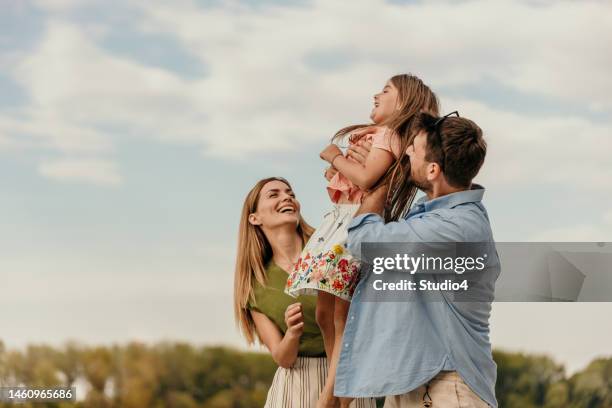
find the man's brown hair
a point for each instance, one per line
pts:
(456, 144)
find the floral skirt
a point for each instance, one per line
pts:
(325, 263)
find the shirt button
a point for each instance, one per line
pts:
(345, 344)
(353, 317)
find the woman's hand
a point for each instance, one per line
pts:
(294, 320)
(330, 153)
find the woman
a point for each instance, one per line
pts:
(271, 237)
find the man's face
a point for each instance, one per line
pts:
(418, 165)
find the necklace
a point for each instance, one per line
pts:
(286, 263)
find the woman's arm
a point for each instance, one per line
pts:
(284, 349)
(363, 176)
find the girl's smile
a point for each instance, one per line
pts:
(385, 103)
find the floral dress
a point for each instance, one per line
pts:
(325, 263)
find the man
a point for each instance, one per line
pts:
(424, 354)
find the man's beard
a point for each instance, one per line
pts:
(425, 186)
(421, 183)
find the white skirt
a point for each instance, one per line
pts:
(300, 385)
(325, 263)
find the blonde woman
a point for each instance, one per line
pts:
(271, 237)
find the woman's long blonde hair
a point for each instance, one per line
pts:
(254, 253)
(413, 97)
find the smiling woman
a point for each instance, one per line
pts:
(271, 237)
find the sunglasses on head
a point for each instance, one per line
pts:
(434, 128)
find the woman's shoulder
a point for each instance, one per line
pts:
(274, 281)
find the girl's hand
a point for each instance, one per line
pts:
(330, 172)
(330, 152)
(294, 320)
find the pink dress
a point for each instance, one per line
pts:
(340, 186)
(325, 264)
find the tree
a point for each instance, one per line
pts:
(592, 387)
(523, 380)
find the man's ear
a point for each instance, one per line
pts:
(433, 171)
(253, 219)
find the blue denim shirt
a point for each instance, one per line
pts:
(391, 348)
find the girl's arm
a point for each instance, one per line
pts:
(284, 349)
(357, 152)
(364, 175)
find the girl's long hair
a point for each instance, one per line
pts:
(413, 97)
(254, 252)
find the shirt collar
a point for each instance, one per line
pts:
(472, 195)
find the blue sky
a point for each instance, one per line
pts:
(131, 131)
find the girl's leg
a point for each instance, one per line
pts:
(327, 398)
(325, 320)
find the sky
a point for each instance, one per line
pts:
(130, 132)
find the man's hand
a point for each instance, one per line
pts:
(360, 151)
(359, 133)
(330, 153)
(373, 201)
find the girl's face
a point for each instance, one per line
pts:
(385, 103)
(277, 206)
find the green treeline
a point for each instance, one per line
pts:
(178, 375)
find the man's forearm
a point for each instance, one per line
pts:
(373, 202)
(362, 233)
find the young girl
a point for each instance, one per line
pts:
(325, 267)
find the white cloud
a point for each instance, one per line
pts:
(70, 79)
(575, 233)
(61, 5)
(581, 232)
(46, 129)
(258, 77)
(565, 151)
(94, 171)
(261, 94)
(608, 217)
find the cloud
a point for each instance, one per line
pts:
(96, 171)
(260, 78)
(71, 79)
(264, 91)
(45, 129)
(599, 231)
(61, 5)
(559, 151)
(574, 233)
(608, 217)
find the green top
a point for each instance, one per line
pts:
(272, 301)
